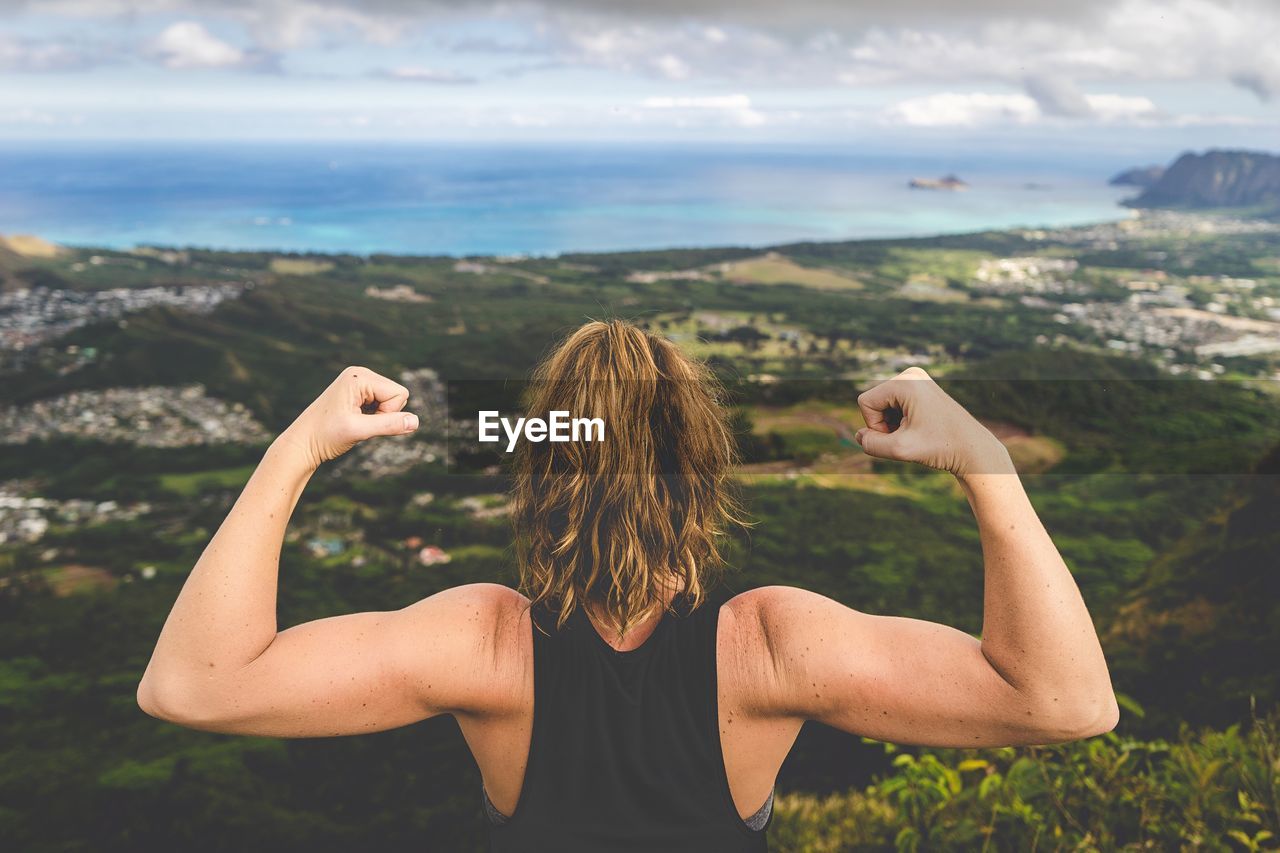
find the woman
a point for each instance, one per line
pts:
(622, 700)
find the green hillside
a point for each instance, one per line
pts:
(1140, 471)
(1201, 629)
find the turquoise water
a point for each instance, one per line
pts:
(546, 199)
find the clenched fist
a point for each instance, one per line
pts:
(357, 405)
(911, 419)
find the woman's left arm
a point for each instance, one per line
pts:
(220, 664)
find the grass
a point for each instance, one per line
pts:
(1034, 453)
(810, 428)
(904, 263)
(774, 268)
(850, 471)
(30, 246)
(75, 578)
(924, 287)
(831, 416)
(697, 333)
(299, 266)
(194, 482)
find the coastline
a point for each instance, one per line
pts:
(543, 202)
(1123, 214)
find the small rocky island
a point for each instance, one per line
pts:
(946, 182)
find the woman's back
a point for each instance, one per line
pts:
(625, 751)
(670, 746)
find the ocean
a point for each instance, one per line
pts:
(451, 199)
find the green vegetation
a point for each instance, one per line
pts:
(776, 269)
(1145, 483)
(197, 481)
(1205, 790)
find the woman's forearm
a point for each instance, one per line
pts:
(1036, 631)
(225, 615)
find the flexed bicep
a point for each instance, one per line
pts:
(356, 673)
(894, 678)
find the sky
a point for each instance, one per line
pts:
(1140, 75)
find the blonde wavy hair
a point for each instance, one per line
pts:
(625, 522)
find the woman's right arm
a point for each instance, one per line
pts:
(1037, 675)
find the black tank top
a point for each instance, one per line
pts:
(625, 753)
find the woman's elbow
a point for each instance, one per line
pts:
(157, 697)
(168, 698)
(1101, 716)
(1088, 716)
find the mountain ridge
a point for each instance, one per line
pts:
(1218, 178)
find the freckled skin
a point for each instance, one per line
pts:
(918, 682)
(784, 655)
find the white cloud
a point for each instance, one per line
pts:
(1058, 97)
(803, 42)
(811, 63)
(1229, 41)
(357, 121)
(187, 44)
(973, 109)
(1125, 108)
(962, 109)
(28, 116)
(1261, 75)
(677, 51)
(46, 55)
(423, 74)
(274, 25)
(672, 67)
(709, 102)
(280, 25)
(736, 108)
(526, 119)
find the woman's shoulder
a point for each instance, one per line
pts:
(495, 612)
(758, 601)
(765, 618)
(492, 598)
